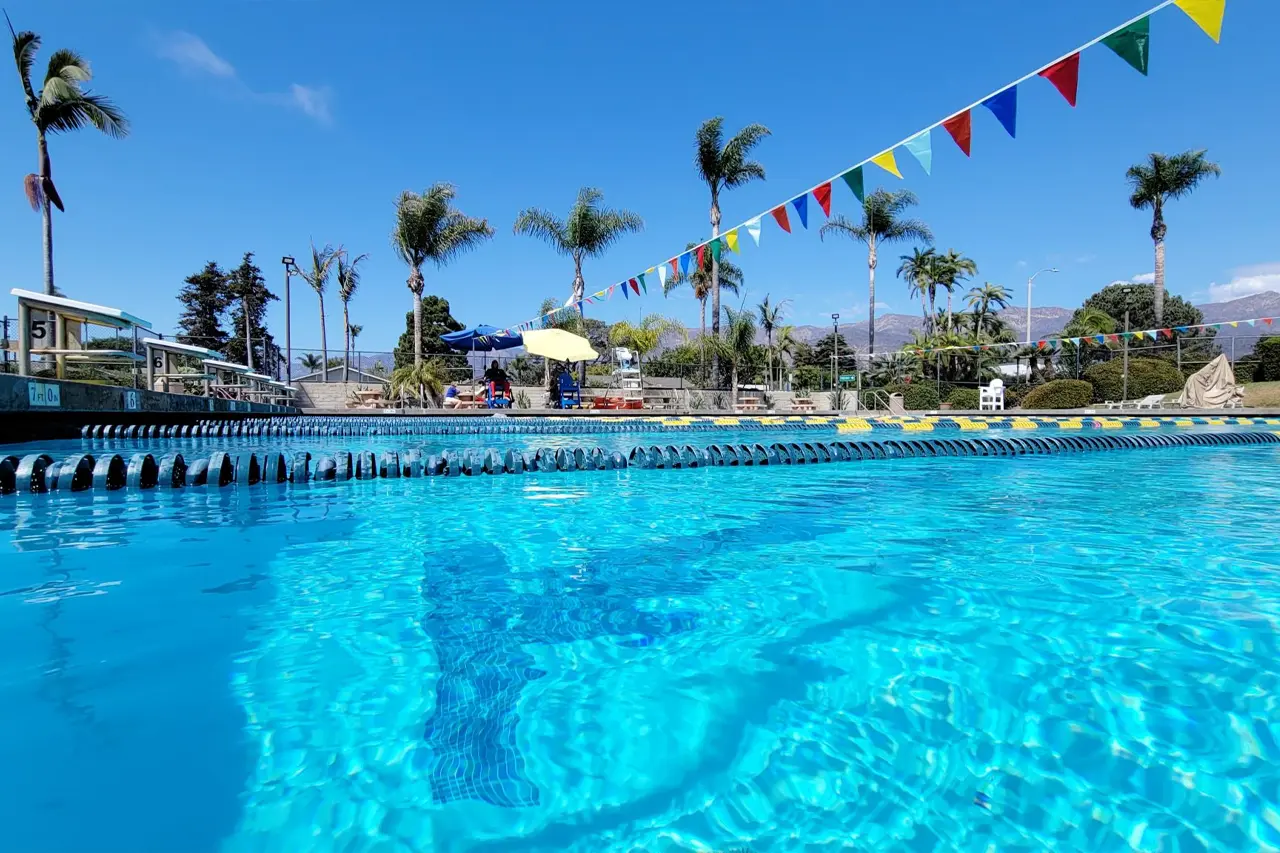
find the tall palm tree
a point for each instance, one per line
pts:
(348, 281)
(735, 347)
(429, 228)
(587, 232)
(311, 361)
(919, 269)
(770, 320)
(699, 280)
(953, 269)
(354, 331)
(724, 166)
(882, 221)
(318, 277)
(60, 106)
(1159, 180)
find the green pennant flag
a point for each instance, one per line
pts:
(715, 250)
(853, 178)
(1133, 43)
(642, 284)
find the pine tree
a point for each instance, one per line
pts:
(436, 321)
(204, 299)
(245, 284)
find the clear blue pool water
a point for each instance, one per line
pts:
(1042, 653)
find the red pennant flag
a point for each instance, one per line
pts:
(822, 194)
(1065, 76)
(702, 250)
(635, 286)
(1113, 338)
(1168, 333)
(1267, 320)
(780, 214)
(961, 129)
(675, 271)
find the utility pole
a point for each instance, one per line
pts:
(835, 351)
(289, 267)
(1033, 278)
(1124, 392)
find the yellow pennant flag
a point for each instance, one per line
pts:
(887, 162)
(1138, 335)
(731, 239)
(1206, 13)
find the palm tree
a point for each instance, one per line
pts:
(429, 228)
(60, 106)
(587, 232)
(919, 269)
(735, 347)
(348, 281)
(980, 299)
(787, 345)
(354, 331)
(422, 382)
(953, 269)
(699, 279)
(645, 337)
(770, 320)
(724, 166)
(1157, 181)
(882, 222)
(318, 278)
(311, 361)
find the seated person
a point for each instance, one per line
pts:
(451, 396)
(496, 377)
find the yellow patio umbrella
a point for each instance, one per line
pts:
(558, 345)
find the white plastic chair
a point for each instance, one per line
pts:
(991, 397)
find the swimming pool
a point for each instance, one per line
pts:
(1045, 652)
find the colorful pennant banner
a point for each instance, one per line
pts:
(1131, 41)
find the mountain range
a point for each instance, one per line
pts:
(894, 330)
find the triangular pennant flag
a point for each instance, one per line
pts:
(822, 194)
(684, 263)
(753, 228)
(662, 276)
(1215, 326)
(642, 282)
(625, 295)
(731, 240)
(1206, 13)
(1182, 329)
(635, 285)
(961, 129)
(1004, 106)
(1133, 43)
(853, 178)
(675, 271)
(921, 147)
(1138, 335)
(1252, 323)
(1235, 324)
(801, 204)
(1113, 338)
(1065, 77)
(1102, 339)
(715, 250)
(1042, 344)
(887, 162)
(1127, 335)
(780, 214)
(1075, 341)
(1268, 320)
(702, 256)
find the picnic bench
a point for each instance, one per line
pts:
(67, 315)
(802, 405)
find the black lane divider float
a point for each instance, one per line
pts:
(82, 472)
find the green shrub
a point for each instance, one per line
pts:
(1059, 394)
(917, 397)
(806, 378)
(1147, 376)
(963, 398)
(1268, 353)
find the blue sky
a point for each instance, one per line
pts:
(262, 125)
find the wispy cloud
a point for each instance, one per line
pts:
(1144, 278)
(1246, 281)
(194, 56)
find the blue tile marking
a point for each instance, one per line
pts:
(479, 625)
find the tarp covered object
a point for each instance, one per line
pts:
(1211, 387)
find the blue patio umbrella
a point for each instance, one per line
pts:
(481, 339)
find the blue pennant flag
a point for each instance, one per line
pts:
(684, 264)
(801, 204)
(1004, 106)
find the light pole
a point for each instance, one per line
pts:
(1033, 278)
(289, 268)
(835, 352)
(1124, 390)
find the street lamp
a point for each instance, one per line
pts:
(1033, 278)
(835, 352)
(289, 269)
(1124, 390)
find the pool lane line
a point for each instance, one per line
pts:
(39, 473)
